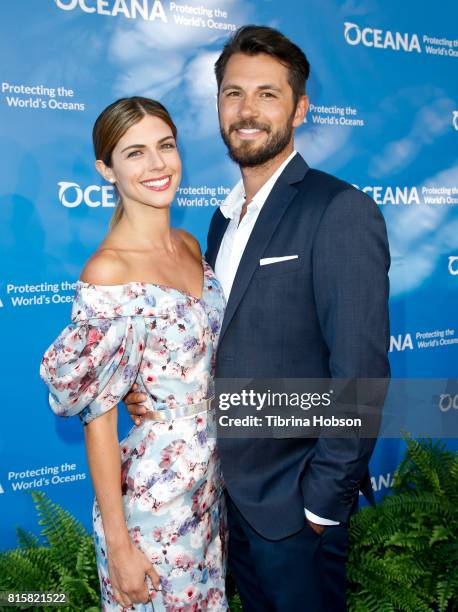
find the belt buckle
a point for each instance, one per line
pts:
(156, 415)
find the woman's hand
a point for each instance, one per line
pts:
(128, 567)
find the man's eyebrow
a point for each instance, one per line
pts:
(269, 86)
(262, 87)
(142, 146)
(230, 86)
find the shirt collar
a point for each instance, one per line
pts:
(233, 203)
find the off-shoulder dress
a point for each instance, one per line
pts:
(164, 340)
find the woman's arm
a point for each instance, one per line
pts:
(126, 563)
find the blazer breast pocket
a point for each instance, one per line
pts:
(278, 266)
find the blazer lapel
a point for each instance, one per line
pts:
(219, 224)
(270, 216)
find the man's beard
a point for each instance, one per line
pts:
(245, 156)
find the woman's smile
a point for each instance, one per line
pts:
(160, 184)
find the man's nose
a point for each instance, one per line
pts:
(248, 108)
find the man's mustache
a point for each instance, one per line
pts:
(249, 125)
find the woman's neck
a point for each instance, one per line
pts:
(144, 230)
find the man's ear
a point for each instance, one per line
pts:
(301, 110)
(105, 171)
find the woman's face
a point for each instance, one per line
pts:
(146, 166)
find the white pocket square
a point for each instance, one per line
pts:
(271, 260)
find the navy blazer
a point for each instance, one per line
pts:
(321, 315)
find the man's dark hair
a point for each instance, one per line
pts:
(252, 40)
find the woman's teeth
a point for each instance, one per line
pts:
(157, 183)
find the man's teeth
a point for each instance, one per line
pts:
(249, 131)
(157, 183)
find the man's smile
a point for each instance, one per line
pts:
(249, 133)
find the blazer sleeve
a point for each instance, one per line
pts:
(91, 366)
(350, 271)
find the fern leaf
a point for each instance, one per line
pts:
(27, 570)
(60, 529)
(440, 533)
(26, 539)
(80, 594)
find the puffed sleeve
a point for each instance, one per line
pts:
(92, 365)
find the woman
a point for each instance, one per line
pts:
(148, 311)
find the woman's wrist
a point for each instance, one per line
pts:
(119, 541)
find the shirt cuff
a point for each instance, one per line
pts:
(319, 520)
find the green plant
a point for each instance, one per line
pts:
(404, 552)
(66, 563)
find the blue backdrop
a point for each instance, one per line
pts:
(384, 117)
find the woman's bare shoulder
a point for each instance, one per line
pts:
(191, 242)
(105, 267)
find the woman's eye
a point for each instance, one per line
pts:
(134, 153)
(168, 145)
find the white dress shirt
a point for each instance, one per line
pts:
(233, 245)
(237, 234)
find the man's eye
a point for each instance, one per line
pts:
(267, 94)
(232, 94)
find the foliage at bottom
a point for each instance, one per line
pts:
(65, 563)
(404, 552)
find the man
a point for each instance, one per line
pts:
(315, 307)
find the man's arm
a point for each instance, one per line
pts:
(350, 270)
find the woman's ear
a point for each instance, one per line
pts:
(105, 171)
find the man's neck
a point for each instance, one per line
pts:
(254, 178)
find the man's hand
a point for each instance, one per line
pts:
(318, 529)
(134, 403)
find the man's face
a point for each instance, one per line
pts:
(256, 109)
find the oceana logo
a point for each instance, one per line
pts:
(149, 10)
(72, 195)
(371, 37)
(391, 195)
(447, 402)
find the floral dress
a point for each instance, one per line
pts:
(165, 341)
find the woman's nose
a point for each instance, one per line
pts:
(156, 161)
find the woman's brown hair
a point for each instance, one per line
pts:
(113, 123)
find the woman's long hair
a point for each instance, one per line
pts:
(113, 123)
